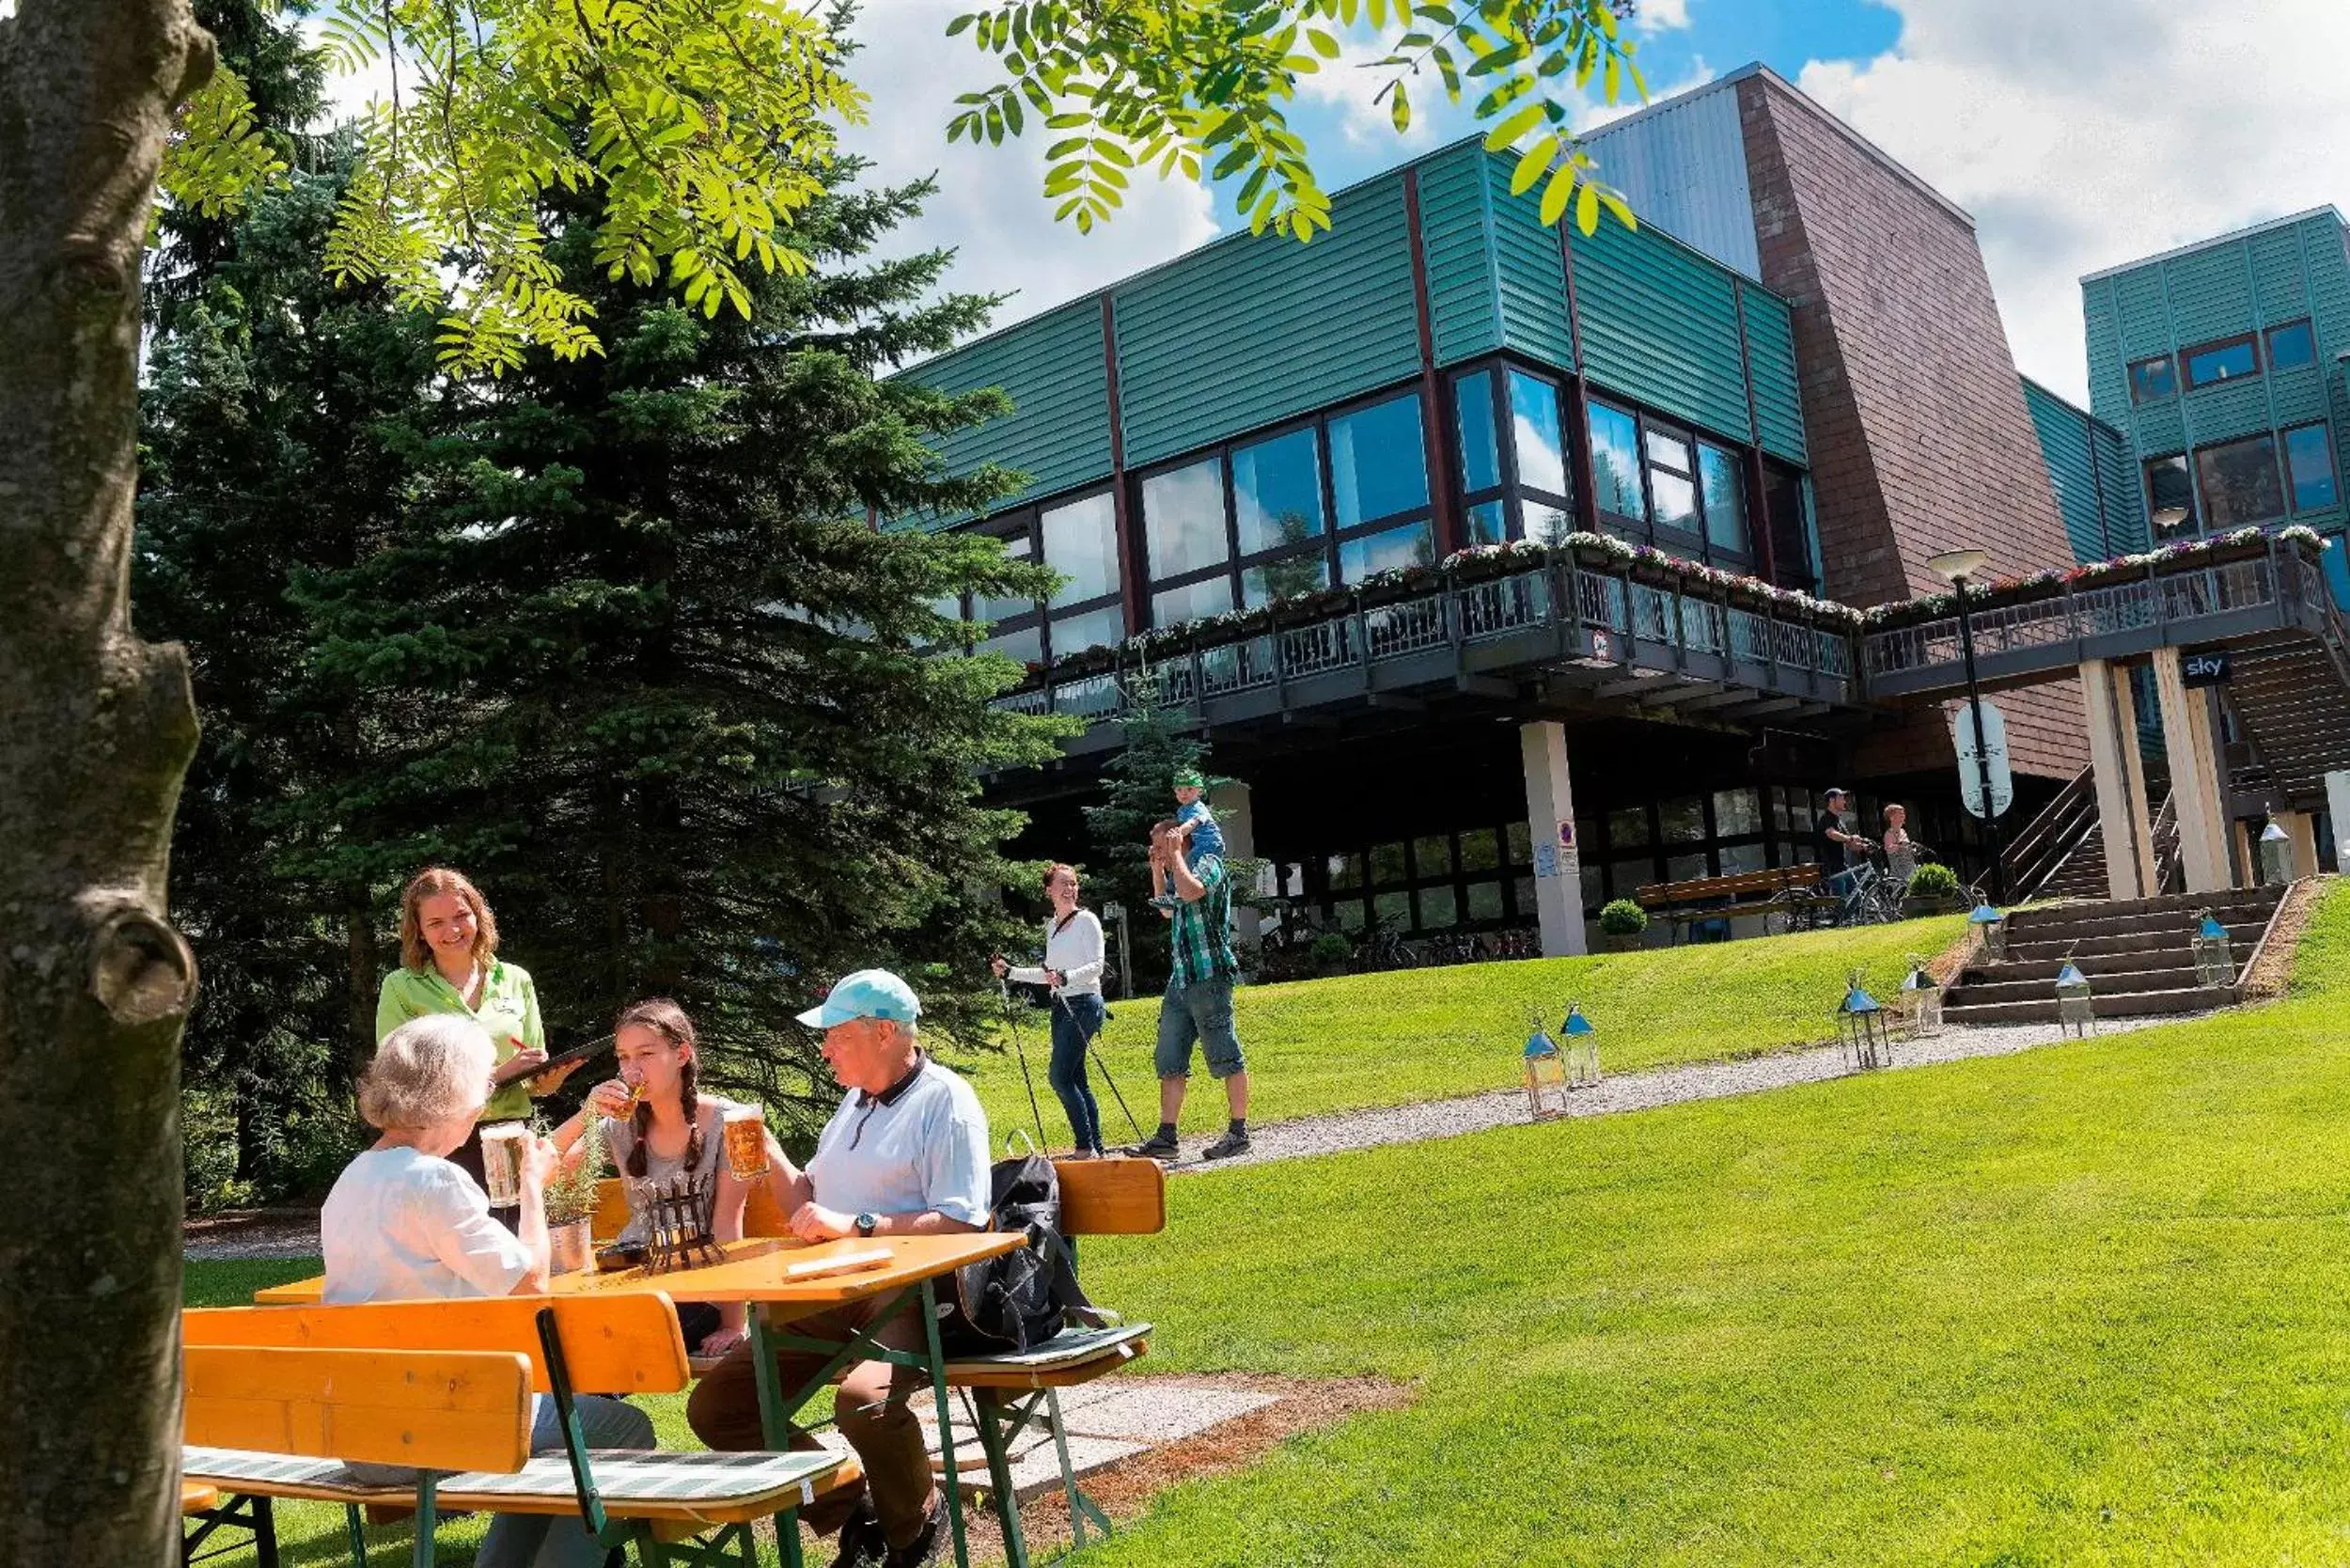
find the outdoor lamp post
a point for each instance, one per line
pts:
(1992, 927)
(1919, 1004)
(1582, 1041)
(2214, 959)
(1546, 1075)
(1860, 1025)
(1956, 566)
(2074, 1010)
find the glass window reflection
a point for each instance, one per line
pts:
(1191, 602)
(2240, 482)
(1414, 544)
(1182, 519)
(1075, 634)
(2170, 497)
(1534, 433)
(1725, 500)
(1276, 492)
(1376, 462)
(1616, 463)
(1081, 544)
(2310, 457)
(1481, 457)
(2291, 346)
(1488, 522)
(1286, 578)
(1019, 546)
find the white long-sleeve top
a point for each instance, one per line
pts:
(1074, 948)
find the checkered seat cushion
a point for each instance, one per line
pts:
(1069, 1348)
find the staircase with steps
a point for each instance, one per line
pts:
(2293, 701)
(2136, 954)
(2061, 854)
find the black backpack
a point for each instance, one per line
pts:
(1019, 1301)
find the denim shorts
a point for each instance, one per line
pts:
(1201, 1012)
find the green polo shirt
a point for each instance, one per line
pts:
(510, 1007)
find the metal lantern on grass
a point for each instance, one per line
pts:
(1860, 1023)
(2075, 1011)
(2214, 959)
(2276, 853)
(1546, 1075)
(1919, 1004)
(1991, 926)
(1582, 1048)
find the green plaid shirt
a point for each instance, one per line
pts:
(1202, 936)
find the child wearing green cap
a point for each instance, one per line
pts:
(1200, 833)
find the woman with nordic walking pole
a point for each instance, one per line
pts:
(1073, 969)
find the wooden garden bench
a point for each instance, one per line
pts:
(1717, 896)
(281, 1398)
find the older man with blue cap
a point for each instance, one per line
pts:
(904, 1156)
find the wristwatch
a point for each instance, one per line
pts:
(865, 1224)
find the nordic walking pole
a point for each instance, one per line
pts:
(1114, 1094)
(1004, 991)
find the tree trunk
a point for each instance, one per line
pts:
(96, 728)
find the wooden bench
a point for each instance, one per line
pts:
(281, 1398)
(1719, 897)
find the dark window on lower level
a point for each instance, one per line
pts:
(2309, 468)
(2170, 497)
(2240, 482)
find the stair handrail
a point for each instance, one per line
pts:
(2038, 853)
(2169, 864)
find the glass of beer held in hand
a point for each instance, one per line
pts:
(745, 1135)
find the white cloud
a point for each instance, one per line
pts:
(1661, 16)
(1345, 87)
(2087, 133)
(987, 205)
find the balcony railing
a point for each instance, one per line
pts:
(1562, 612)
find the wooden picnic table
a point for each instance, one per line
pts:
(772, 1274)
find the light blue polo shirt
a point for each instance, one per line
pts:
(921, 1148)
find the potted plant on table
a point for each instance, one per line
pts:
(570, 1205)
(1933, 891)
(1622, 923)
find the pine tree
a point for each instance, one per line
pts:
(639, 663)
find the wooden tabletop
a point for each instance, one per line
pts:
(767, 1269)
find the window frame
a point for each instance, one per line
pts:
(2194, 525)
(1028, 518)
(2243, 340)
(2284, 460)
(2170, 370)
(2269, 344)
(2206, 518)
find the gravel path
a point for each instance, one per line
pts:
(1627, 1091)
(294, 1234)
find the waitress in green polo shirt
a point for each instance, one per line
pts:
(448, 963)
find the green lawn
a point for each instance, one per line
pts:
(2077, 1305)
(1364, 1041)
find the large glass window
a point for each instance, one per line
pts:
(2239, 483)
(1076, 633)
(1480, 454)
(1791, 527)
(1541, 452)
(2213, 363)
(1287, 577)
(1616, 463)
(2152, 380)
(1191, 602)
(1276, 492)
(2310, 468)
(1182, 519)
(1081, 544)
(1377, 465)
(1390, 550)
(1020, 546)
(1725, 491)
(1672, 487)
(2170, 497)
(2291, 346)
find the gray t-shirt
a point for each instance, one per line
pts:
(620, 1139)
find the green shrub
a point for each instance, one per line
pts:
(1331, 949)
(1623, 917)
(1934, 880)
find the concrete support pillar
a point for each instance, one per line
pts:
(2338, 808)
(2301, 831)
(2194, 755)
(2124, 819)
(1550, 820)
(1230, 802)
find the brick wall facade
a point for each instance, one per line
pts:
(1919, 436)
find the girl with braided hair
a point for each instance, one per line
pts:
(661, 1132)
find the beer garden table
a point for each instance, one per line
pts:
(783, 1279)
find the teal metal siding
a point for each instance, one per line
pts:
(1463, 315)
(1660, 325)
(2108, 386)
(2123, 489)
(2072, 460)
(1256, 328)
(1058, 431)
(1771, 357)
(1529, 275)
(2210, 294)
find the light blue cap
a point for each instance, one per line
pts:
(865, 993)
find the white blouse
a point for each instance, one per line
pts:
(1073, 947)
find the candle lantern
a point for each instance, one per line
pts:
(1582, 1048)
(1546, 1075)
(1991, 926)
(2076, 1012)
(1919, 1003)
(2214, 959)
(1860, 1025)
(2276, 853)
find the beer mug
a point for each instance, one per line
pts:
(502, 1162)
(746, 1136)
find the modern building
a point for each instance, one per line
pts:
(1514, 569)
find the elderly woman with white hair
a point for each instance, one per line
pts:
(403, 1223)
